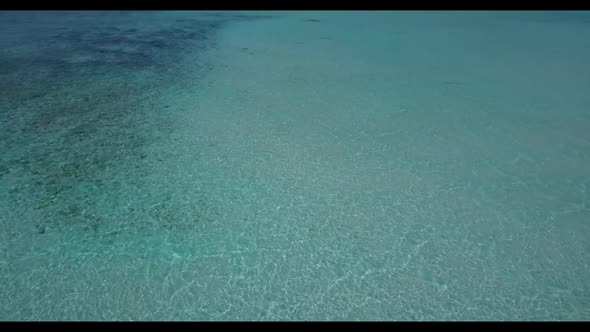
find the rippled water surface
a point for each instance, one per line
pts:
(294, 165)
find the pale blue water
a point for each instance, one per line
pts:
(294, 166)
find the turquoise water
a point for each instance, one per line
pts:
(294, 165)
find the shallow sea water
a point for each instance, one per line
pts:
(294, 165)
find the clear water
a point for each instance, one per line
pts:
(294, 166)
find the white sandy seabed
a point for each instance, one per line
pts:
(356, 166)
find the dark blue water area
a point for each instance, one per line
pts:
(53, 46)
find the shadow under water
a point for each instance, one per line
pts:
(79, 111)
